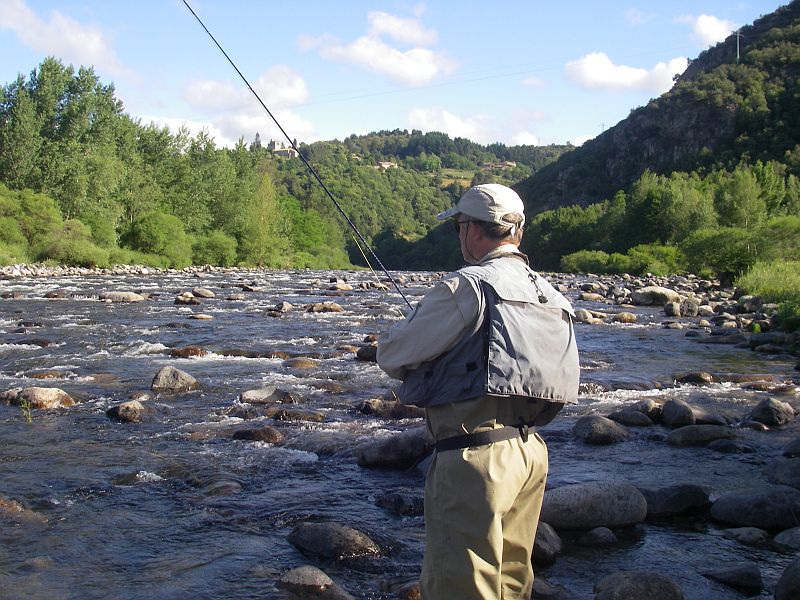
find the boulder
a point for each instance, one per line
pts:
(301, 363)
(399, 451)
(368, 353)
(332, 541)
(597, 430)
(590, 505)
(675, 500)
(121, 297)
(788, 587)
(771, 508)
(599, 536)
(390, 409)
(749, 536)
(624, 317)
(637, 585)
(132, 411)
(654, 295)
(270, 395)
(788, 539)
(631, 418)
(694, 378)
(784, 471)
(698, 435)
(745, 577)
(291, 414)
(188, 352)
(312, 583)
(772, 412)
(170, 379)
(402, 502)
(201, 292)
(547, 545)
(43, 398)
(677, 413)
(324, 307)
(266, 434)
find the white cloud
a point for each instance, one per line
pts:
(708, 29)
(634, 16)
(525, 138)
(597, 71)
(414, 66)
(438, 119)
(63, 37)
(409, 31)
(578, 141)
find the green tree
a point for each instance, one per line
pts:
(163, 234)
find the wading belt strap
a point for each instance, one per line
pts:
(482, 438)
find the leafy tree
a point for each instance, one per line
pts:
(162, 234)
(216, 248)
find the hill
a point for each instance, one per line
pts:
(719, 112)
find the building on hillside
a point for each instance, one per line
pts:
(386, 165)
(281, 149)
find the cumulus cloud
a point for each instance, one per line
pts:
(62, 36)
(413, 66)
(439, 119)
(708, 29)
(634, 16)
(597, 71)
(525, 138)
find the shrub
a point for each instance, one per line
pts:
(656, 259)
(776, 281)
(126, 256)
(585, 261)
(71, 244)
(216, 248)
(159, 233)
(726, 252)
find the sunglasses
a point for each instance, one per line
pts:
(457, 224)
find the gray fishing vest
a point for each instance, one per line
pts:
(523, 344)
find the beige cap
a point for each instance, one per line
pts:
(488, 202)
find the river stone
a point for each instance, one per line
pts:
(312, 583)
(775, 338)
(694, 378)
(749, 536)
(731, 447)
(698, 435)
(128, 412)
(789, 539)
(649, 407)
(772, 412)
(677, 413)
(690, 307)
(771, 508)
(332, 540)
(631, 418)
(170, 379)
(324, 307)
(654, 295)
(291, 414)
(11, 510)
(44, 397)
(584, 316)
(201, 292)
(390, 409)
(402, 502)
(368, 353)
(187, 299)
(589, 505)
(788, 587)
(784, 471)
(792, 448)
(624, 317)
(301, 363)
(547, 545)
(187, 352)
(121, 297)
(270, 395)
(399, 451)
(543, 590)
(267, 434)
(597, 430)
(672, 309)
(637, 585)
(745, 577)
(599, 536)
(675, 500)
(591, 297)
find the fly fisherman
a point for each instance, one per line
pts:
(489, 352)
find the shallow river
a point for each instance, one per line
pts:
(174, 508)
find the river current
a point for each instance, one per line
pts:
(174, 508)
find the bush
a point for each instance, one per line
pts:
(13, 254)
(777, 281)
(126, 256)
(725, 251)
(159, 233)
(71, 244)
(655, 259)
(216, 248)
(104, 233)
(585, 261)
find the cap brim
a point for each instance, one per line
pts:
(447, 214)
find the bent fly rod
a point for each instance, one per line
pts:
(311, 169)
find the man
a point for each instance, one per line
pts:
(489, 352)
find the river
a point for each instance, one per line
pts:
(174, 508)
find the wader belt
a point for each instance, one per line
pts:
(483, 438)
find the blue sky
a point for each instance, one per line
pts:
(517, 72)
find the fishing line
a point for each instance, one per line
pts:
(300, 155)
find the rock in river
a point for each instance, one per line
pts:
(772, 508)
(170, 379)
(332, 540)
(310, 582)
(121, 297)
(400, 451)
(40, 397)
(637, 585)
(594, 429)
(589, 505)
(698, 435)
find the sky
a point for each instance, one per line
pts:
(516, 72)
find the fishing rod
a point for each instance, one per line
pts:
(300, 155)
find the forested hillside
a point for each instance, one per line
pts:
(85, 183)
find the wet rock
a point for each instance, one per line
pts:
(132, 411)
(301, 363)
(201, 292)
(731, 447)
(332, 540)
(312, 583)
(672, 309)
(187, 299)
(631, 418)
(624, 317)
(599, 536)
(772, 338)
(402, 502)
(784, 471)
(399, 451)
(41, 397)
(201, 316)
(236, 297)
(677, 413)
(792, 449)
(654, 295)
(676, 500)
(121, 297)
(788, 587)
(637, 585)
(589, 505)
(542, 590)
(13, 511)
(745, 577)
(597, 430)
(730, 338)
(694, 378)
(367, 353)
(324, 307)
(547, 546)
(170, 379)
(188, 352)
(698, 435)
(288, 414)
(584, 316)
(270, 395)
(592, 387)
(390, 409)
(789, 539)
(649, 407)
(749, 536)
(591, 297)
(266, 434)
(770, 509)
(772, 412)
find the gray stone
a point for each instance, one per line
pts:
(590, 505)
(772, 508)
(637, 585)
(402, 502)
(749, 536)
(789, 538)
(698, 435)
(170, 379)
(784, 471)
(654, 295)
(731, 447)
(332, 540)
(266, 434)
(132, 411)
(599, 536)
(788, 587)
(310, 582)
(542, 590)
(772, 412)
(121, 297)
(745, 577)
(631, 418)
(201, 292)
(43, 398)
(399, 451)
(677, 413)
(676, 499)
(547, 545)
(594, 429)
